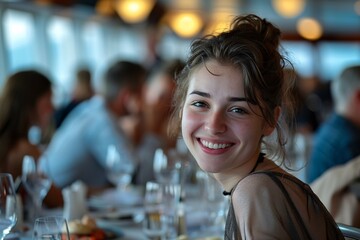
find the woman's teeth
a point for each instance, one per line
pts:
(214, 145)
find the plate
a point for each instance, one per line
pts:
(121, 216)
(114, 198)
(103, 232)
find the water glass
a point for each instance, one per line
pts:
(36, 183)
(7, 204)
(119, 172)
(161, 203)
(153, 227)
(166, 166)
(51, 228)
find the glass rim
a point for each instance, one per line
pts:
(6, 174)
(46, 218)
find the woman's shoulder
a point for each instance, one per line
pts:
(16, 154)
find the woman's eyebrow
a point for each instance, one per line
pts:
(207, 95)
(203, 94)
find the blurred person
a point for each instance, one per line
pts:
(79, 147)
(157, 109)
(231, 106)
(26, 104)
(338, 139)
(82, 90)
(305, 118)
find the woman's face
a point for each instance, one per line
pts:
(45, 109)
(221, 129)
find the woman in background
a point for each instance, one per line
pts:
(25, 102)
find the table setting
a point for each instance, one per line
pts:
(168, 207)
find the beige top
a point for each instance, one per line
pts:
(266, 210)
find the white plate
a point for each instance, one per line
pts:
(113, 199)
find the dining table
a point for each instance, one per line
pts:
(121, 212)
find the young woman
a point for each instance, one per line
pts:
(25, 101)
(231, 102)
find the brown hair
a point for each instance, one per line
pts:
(252, 46)
(17, 103)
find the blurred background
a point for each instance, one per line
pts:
(57, 36)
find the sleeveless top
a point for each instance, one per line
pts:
(298, 230)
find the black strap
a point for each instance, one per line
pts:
(259, 160)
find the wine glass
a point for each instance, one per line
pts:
(166, 166)
(7, 204)
(36, 184)
(118, 172)
(51, 228)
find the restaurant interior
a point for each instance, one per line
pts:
(320, 38)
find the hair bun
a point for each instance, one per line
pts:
(254, 25)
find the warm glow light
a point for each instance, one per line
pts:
(309, 28)
(289, 8)
(105, 7)
(186, 24)
(220, 22)
(133, 11)
(357, 7)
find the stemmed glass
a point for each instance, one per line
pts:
(118, 172)
(166, 166)
(7, 204)
(51, 228)
(36, 184)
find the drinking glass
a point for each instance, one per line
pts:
(153, 226)
(36, 184)
(161, 203)
(166, 166)
(118, 172)
(171, 217)
(7, 204)
(51, 228)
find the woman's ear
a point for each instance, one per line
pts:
(268, 129)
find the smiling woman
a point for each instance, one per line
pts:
(232, 101)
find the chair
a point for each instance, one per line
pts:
(349, 232)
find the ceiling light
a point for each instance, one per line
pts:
(309, 28)
(288, 8)
(134, 11)
(186, 24)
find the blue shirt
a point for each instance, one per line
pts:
(78, 149)
(336, 142)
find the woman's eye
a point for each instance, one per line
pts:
(198, 104)
(238, 110)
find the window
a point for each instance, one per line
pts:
(20, 41)
(63, 54)
(301, 55)
(335, 56)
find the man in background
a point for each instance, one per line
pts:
(79, 147)
(338, 139)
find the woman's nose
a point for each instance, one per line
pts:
(215, 123)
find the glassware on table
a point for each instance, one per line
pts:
(119, 172)
(174, 220)
(153, 227)
(166, 166)
(7, 204)
(161, 205)
(51, 228)
(36, 183)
